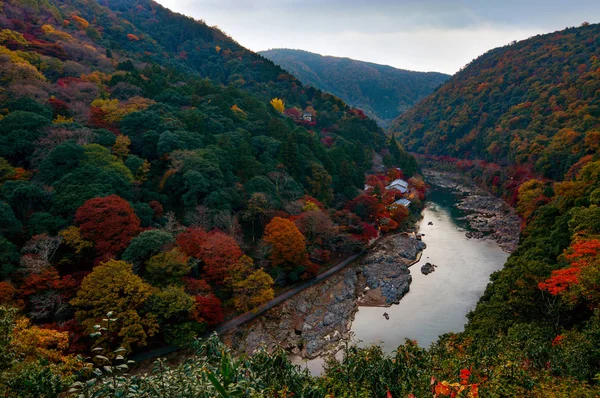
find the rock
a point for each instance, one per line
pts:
(428, 268)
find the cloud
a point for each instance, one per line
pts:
(436, 35)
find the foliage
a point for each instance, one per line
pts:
(113, 286)
(109, 222)
(288, 245)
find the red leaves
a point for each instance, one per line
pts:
(109, 222)
(190, 241)
(215, 249)
(208, 309)
(580, 254)
(218, 252)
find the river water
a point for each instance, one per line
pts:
(439, 302)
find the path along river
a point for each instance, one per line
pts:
(439, 302)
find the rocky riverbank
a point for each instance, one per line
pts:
(317, 319)
(489, 217)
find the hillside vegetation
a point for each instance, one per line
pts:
(534, 103)
(381, 91)
(156, 177)
(152, 167)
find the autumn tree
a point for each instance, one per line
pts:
(112, 286)
(278, 105)
(218, 252)
(208, 309)
(190, 241)
(288, 245)
(531, 196)
(251, 287)
(167, 268)
(109, 222)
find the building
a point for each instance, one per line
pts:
(399, 184)
(402, 202)
(307, 117)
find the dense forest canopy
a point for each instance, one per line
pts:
(152, 167)
(534, 103)
(383, 92)
(156, 178)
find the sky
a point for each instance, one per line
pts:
(422, 35)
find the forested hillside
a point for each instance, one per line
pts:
(153, 167)
(534, 103)
(383, 92)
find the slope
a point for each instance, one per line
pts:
(534, 103)
(383, 92)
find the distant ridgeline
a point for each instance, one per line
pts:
(383, 92)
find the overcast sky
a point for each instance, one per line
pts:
(424, 35)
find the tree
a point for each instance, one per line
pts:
(288, 245)
(144, 246)
(121, 146)
(278, 105)
(250, 287)
(9, 224)
(109, 222)
(9, 257)
(171, 304)
(320, 184)
(256, 208)
(208, 309)
(112, 286)
(218, 252)
(167, 268)
(190, 241)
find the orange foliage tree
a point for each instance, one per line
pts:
(288, 245)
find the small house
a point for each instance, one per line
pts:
(307, 117)
(399, 184)
(403, 202)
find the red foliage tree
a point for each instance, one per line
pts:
(580, 254)
(190, 240)
(218, 252)
(208, 309)
(109, 222)
(49, 280)
(196, 287)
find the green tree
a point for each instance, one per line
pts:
(167, 268)
(144, 246)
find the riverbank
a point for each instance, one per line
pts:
(488, 217)
(316, 320)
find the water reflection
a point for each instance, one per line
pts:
(439, 302)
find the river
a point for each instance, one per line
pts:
(439, 302)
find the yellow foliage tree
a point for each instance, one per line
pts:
(121, 146)
(72, 237)
(251, 287)
(15, 67)
(277, 103)
(112, 286)
(116, 111)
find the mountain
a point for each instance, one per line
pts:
(152, 167)
(524, 120)
(533, 103)
(381, 91)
